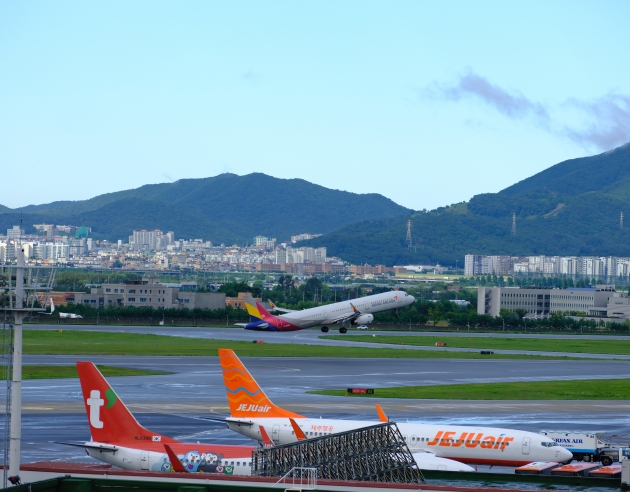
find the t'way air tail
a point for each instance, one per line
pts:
(119, 439)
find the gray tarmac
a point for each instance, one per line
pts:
(316, 337)
(178, 404)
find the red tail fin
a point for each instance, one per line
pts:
(110, 420)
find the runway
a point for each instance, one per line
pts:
(175, 404)
(316, 337)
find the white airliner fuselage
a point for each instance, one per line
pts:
(474, 445)
(358, 311)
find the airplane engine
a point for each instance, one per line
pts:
(364, 319)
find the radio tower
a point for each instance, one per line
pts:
(513, 224)
(621, 220)
(408, 239)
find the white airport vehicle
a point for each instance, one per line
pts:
(587, 446)
(252, 411)
(357, 312)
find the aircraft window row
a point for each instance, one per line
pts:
(238, 463)
(549, 444)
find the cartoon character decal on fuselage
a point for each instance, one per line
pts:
(118, 439)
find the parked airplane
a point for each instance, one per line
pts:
(62, 315)
(251, 409)
(117, 437)
(356, 312)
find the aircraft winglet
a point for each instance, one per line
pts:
(381, 415)
(298, 432)
(176, 465)
(267, 442)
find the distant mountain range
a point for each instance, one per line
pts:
(571, 208)
(224, 209)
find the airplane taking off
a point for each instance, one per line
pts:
(356, 312)
(251, 410)
(118, 438)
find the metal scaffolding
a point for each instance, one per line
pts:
(376, 454)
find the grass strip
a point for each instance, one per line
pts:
(62, 372)
(617, 347)
(75, 342)
(588, 389)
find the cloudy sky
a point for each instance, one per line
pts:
(427, 103)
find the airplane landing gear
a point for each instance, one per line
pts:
(325, 329)
(343, 329)
(396, 313)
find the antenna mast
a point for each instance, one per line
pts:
(408, 239)
(621, 220)
(513, 224)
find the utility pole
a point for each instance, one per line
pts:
(16, 381)
(621, 220)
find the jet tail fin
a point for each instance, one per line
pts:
(255, 310)
(245, 397)
(52, 306)
(110, 420)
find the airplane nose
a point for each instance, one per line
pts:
(564, 455)
(413, 299)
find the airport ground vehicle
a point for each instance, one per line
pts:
(118, 439)
(587, 446)
(251, 410)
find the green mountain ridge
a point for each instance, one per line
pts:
(571, 208)
(224, 209)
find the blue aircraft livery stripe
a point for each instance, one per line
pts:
(242, 389)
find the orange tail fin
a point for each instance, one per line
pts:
(110, 420)
(381, 415)
(298, 432)
(245, 397)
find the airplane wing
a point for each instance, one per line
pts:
(86, 445)
(347, 317)
(282, 310)
(226, 420)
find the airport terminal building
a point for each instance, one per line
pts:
(601, 300)
(149, 293)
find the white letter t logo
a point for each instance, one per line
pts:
(95, 403)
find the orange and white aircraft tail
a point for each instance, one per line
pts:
(110, 420)
(245, 397)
